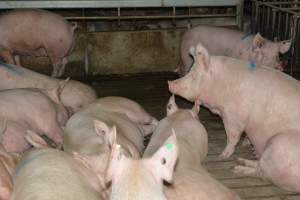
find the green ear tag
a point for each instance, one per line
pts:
(169, 146)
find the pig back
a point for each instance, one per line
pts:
(32, 29)
(191, 137)
(48, 174)
(80, 134)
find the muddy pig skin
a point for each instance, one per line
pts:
(74, 95)
(142, 179)
(228, 42)
(36, 33)
(191, 180)
(260, 101)
(32, 109)
(80, 134)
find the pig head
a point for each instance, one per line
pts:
(142, 179)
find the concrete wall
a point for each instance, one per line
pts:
(119, 52)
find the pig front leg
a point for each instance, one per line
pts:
(233, 133)
(58, 66)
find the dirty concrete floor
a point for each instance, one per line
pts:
(150, 90)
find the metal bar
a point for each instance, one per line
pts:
(57, 4)
(187, 3)
(240, 14)
(279, 35)
(286, 30)
(279, 8)
(149, 17)
(268, 21)
(281, 3)
(273, 22)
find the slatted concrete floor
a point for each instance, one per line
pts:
(150, 90)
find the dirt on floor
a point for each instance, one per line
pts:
(150, 90)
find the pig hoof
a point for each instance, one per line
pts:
(226, 153)
(246, 171)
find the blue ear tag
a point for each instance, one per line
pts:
(252, 65)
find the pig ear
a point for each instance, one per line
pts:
(163, 161)
(115, 163)
(201, 56)
(258, 41)
(35, 139)
(284, 46)
(172, 106)
(109, 134)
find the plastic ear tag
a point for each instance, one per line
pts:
(169, 146)
(252, 65)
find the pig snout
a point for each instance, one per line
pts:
(173, 86)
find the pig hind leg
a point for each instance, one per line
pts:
(248, 168)
(279, 162)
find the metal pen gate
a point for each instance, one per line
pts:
(279, 20)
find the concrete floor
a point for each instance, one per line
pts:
(150, 90)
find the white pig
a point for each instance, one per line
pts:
(142, 179)
(31, 109)
(191, 180)
(36, 32)
(228, 42)
(74, 95)
(121, 112)
(48, 174)
(260, 101)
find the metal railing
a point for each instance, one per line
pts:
(279, 20)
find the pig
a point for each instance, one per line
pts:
(32, 109)
(129, 117)
(131, 109)
(44, 173)
(191, 179)
(36, 32)
(260, 101)
(228, 42)
(8, 162)
(142, 179)
(74, 94)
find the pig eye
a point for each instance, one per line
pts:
(163, 161)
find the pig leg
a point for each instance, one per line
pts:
(7, 57)
(279, 162)
(63, 66)
(18, 61)
(248, 168)
(57, 64)
(233, 136)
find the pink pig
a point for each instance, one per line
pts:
(228, 42)
(257, 100)
(36, 33)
